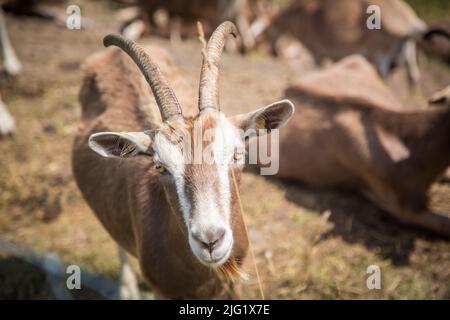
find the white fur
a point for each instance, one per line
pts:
(7, 123)
(170, 156)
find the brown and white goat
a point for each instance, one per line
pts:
(180, 219)
(349, 131)
(335, 29)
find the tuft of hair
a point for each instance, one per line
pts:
(126, 148)
(231, 271)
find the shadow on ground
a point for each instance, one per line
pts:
(357, 220)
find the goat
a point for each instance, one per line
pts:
(182, 17)
(336, 29)
(180, 219)
(7, 123)
(350, 131)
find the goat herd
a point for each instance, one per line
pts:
(340, 126)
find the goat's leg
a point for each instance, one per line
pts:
(11, 62)
(383, 65)
(427, 220)
(434, 222)
(175, 29)
(132, 23)
(129, 289)
(7, 124)
(412, 68)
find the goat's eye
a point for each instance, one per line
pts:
(160, 168)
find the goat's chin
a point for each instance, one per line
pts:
(217, 259)
(217, 263)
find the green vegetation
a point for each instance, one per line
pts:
(431, 10)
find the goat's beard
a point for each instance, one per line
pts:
(231, 271)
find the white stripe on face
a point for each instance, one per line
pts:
(204, 190)
(170, 155)
(218, 194)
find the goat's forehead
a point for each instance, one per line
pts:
(214, 133)
(220, 134)
(214, 129)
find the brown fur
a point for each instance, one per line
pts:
(343, 136)
(128, 196)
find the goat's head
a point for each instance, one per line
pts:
(200, 156)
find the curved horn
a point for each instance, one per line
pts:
(208, 90)
(165, 98)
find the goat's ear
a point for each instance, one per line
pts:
(120, 144)
(265, 119)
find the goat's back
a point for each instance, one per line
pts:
(327, 142)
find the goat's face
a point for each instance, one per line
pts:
(202, 179)
(200, 157)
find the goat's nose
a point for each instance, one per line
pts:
(211, 238)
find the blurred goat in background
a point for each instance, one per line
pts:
(336, 29)
(350, 131)
(328, 29)
(177, 18)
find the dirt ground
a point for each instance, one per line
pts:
(309, 243)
